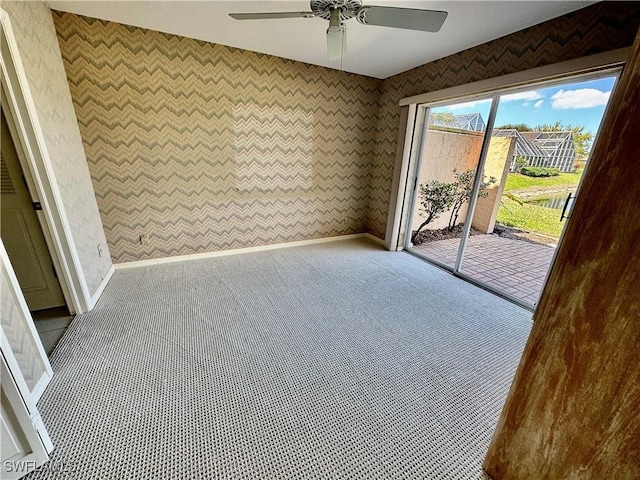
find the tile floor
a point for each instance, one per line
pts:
(515, 267)
(51, 325)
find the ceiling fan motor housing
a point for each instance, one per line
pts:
(348, 8)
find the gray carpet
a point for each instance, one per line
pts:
(338, 360)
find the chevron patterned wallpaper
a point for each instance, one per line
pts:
(203, 147)
(598, 28)
(40, 53)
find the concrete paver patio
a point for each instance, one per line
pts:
(512, 266)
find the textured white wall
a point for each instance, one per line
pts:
(444, 151)
(38, 45)
(497, 166)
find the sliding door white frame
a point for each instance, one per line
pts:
(477, 182)
(511, 83)
(583, 69)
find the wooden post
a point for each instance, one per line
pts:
(573, 411)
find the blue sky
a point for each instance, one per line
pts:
(581, 104)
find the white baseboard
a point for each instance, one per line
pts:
(237, 251)
(101, 287)
(374, 238)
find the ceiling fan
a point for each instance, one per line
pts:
(338, 11)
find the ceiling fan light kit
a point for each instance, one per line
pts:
(339, 11)
(336, 36)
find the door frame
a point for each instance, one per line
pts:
(33, 232)
(37, 168)
(31, 397)
(29, 423)
(27, 416)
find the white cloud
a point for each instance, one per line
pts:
(527, 96)
(469, 104)
(539, 103)
(579, 98)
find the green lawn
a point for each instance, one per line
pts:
(515, 181)
(531, 218)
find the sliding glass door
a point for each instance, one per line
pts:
(495, 179)
(450, 152)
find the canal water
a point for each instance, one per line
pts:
(551, 201)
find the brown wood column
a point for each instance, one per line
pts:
(573, 411)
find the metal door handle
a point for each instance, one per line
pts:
(567, 204)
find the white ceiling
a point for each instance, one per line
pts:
(374, 51)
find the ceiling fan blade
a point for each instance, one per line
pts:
(408, 18)
(269, 16)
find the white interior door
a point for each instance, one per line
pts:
(26, 372)
(25, 443)
(22, 235)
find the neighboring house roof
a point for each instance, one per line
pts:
(553, 149)
(531, 136)
(525, 142)
(468, 121)
(551, 142)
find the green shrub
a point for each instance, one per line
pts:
(436, 197)
(579, 166)
(521, 162)
(540, 171)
